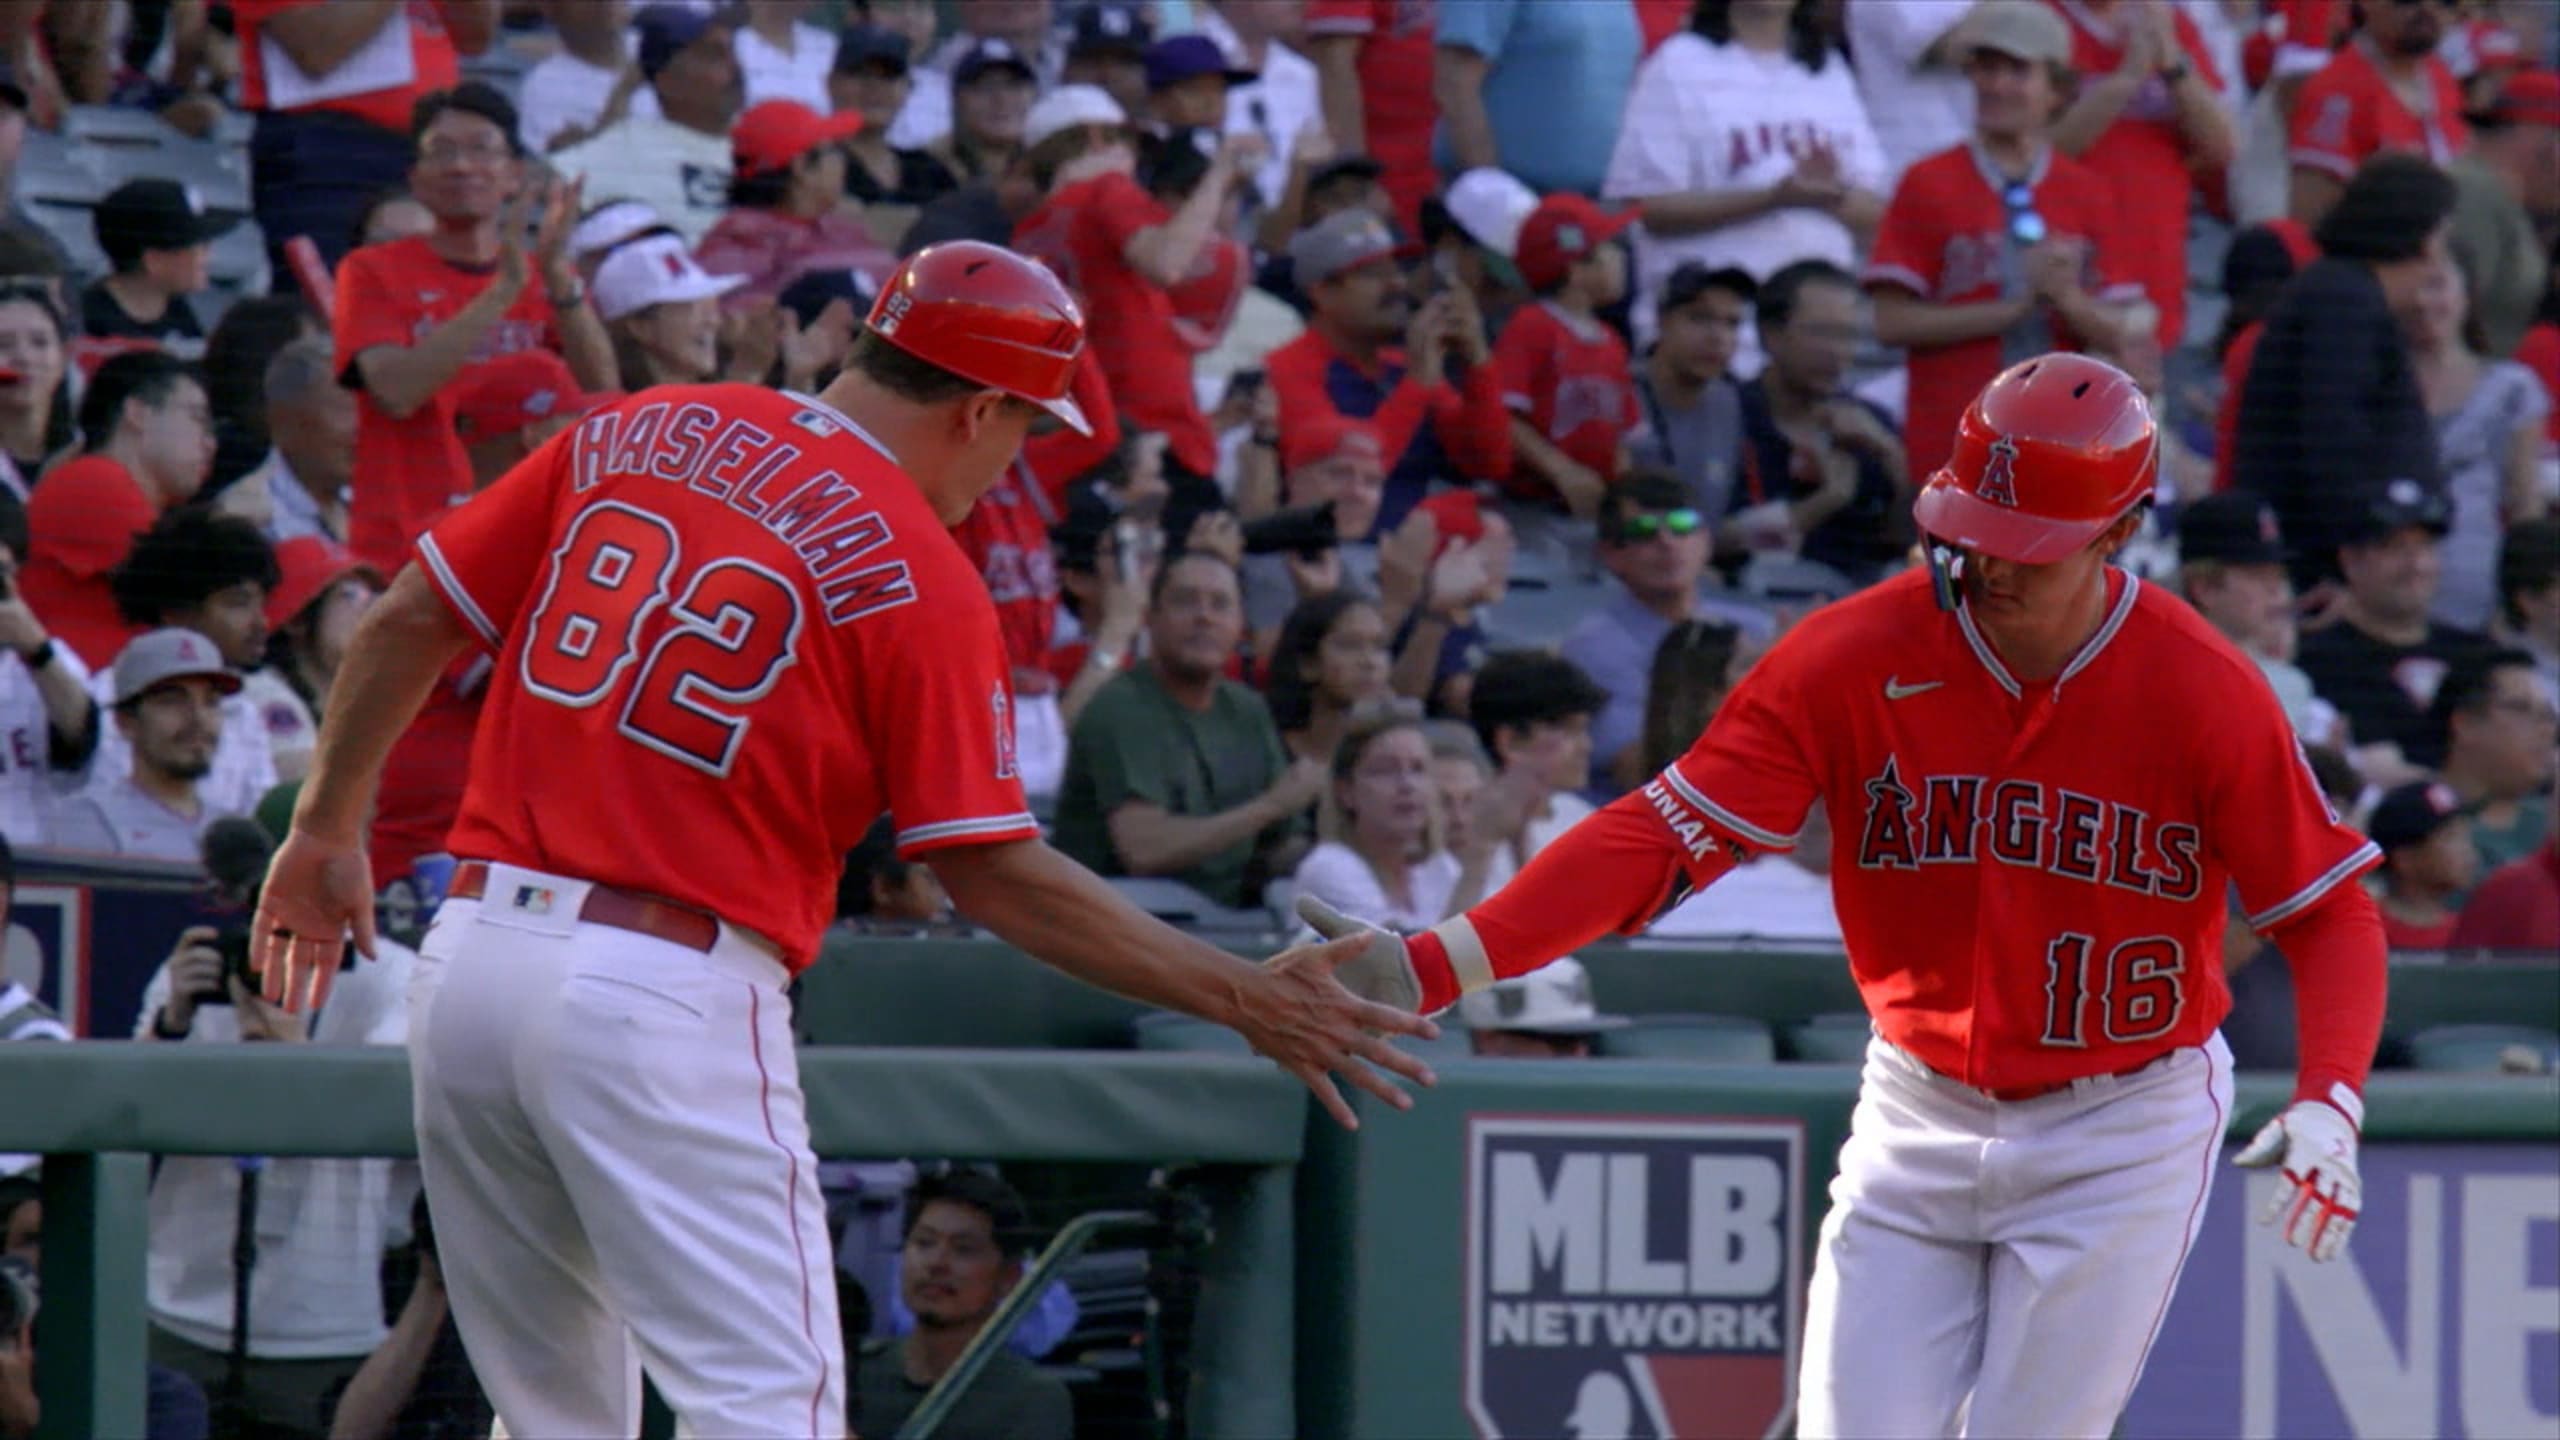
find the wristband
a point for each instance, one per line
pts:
(160, 1026)
(39, 657)
(576, 297)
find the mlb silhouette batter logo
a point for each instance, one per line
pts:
(1633, 1278)
(1999, 484)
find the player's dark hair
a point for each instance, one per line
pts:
(2336, 774)
(1290, 689)
(1782, 292)
(1007, 1216)
(905, 375)
(1520, 689)
(180, 562)
(1807, 45)
(471, 97)
(2528, 562)
(2468, 687)
(866, 866)
(765, 191)
(2388, 211)
(236, 355)
(1175, 556)
(150, 376)
(13, 525)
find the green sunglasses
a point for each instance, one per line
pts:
(1643, 526)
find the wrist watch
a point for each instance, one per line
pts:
(576, 296)
(1267, 439)
(1106, 661)
(39, 657)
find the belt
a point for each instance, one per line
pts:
(641, 914)
(2015, 1094)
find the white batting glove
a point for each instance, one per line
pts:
(1383, 972)
(2317, 1205)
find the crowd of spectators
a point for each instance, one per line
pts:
(1480, 388)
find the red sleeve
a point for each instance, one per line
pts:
(2328, 129)
(364, 312)
(84, 516)
(2341, 977)
(1057, 458)
(483, 557)
(1472, 423)
(2265, 814)
(1111, 214)
(1295, 373)
(1520, 360)
(1910, 242)
(936, 709)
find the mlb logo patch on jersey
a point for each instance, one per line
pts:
(534, 899)
(816, 424)
(1633, 1277)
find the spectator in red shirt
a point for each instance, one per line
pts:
(1122, 254)
(413, 315)
(35, 411)
(1999, 248)
(1348, 363)
(2518, 906)
(333, 86)
(1204, 304)
(2385, 89)
(788, 214)
(2428, 860)
(2148, 118)
(1374, 72)
(150, 436)
(1565, 374)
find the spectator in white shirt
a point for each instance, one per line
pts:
(1533, 711)
(169, 687)
(1282, 101)
(991, 92)
(1381, 858)
(784, 57)
(1911, 79)
(49, 724)
(590, 85)
(1747, 145)
(1021, 24)
(209, 574)
(311, 419)
(676, 161)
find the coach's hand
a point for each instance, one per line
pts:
(2317, 1204)
(1311, 1019)
(317, 893)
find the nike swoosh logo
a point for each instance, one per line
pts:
(1894, 689)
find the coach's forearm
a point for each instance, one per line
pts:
(1071, 919)
(403, 643)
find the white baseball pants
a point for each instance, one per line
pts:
(2000, 1269)
(617, 1160)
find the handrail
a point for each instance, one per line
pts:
(1071, 1241)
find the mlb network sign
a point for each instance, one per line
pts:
(1633, 1277)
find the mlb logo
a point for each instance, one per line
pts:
(533, 899)
(1633, 1277)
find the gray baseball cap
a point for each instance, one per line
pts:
(2021, 29)
(1343, 240)
(159, 656)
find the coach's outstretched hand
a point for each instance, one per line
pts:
(1305, 1018)
(318, 892)
(2317, 1204)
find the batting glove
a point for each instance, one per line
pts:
(2315, 1146)
(1383, 972)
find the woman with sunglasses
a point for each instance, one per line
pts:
(35, 416)
(1381, 857)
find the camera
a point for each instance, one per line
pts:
(233, 942)
(1306, 530)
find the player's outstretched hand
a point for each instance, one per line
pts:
(317, 893)
(2315, 1147)
(1309, 1019)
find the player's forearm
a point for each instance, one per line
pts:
(403, 643)
(1068, 918)
(2341, 980)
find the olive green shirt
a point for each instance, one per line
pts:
(1012, 1399)
(1135, 742)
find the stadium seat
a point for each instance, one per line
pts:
(2484, 1048)
(1538, 617)
(1167, 1031)
(1793, 580)
(52, 169)
(1178, 904)
(73, 227)
(1837, 1039)
(123, 144)
(1725, 1039)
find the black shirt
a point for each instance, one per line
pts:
(922, 179)
(2330, 411)
(1012, 1399)
(971, 212)
(2384, 690)
(102, 318)
(1861, 538)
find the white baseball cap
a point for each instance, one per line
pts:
(611, 223)
(1491, 205)
(654, 270)
(1554, 1000)
(1067, 107)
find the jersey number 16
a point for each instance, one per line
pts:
(2137, 989)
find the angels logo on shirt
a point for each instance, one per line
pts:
(1629, 1276)
(1999, 480)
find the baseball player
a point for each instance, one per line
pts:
(730, 627)
(2044, 777)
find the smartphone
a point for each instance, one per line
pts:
(1244, 385)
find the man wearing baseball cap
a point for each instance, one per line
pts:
(320, 593)
(2383, 657)
(1422, 374)
(2232, 568)
(2428, 861)
(1547, 1014)
(165, 699)
(2510, 174)
(1188, 77)
(787, 216)
(677, 160)
(992, 87)
(158, 239)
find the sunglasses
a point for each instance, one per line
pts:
(1645, 525)
(2026, 226)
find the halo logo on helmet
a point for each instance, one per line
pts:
(1999, 483)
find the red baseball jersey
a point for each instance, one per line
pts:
(382, 80)
(1569, 379)
(730, 632)
(1006, 536)
(409, 472)
(2346, 113)
(2144, 158)
(1399, 110)
(1945, 238)
(2032, 879)
(1083, 233)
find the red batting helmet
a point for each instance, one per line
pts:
(987, 314)
(2052, 452)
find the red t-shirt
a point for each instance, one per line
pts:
(1398, 108)
(2032, 879)
(81, 520)
(1204, 304)
(2516, 908)
(1083, 233)
(2144, 160)
(1570, 381)
(2402, 935)
(2346, 113)
(410, 472)
(2226, 416)
(411, 56)
(423, 776)
(1006, 536)
(1944, 237)
(730, 632)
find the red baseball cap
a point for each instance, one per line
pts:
(2528, 97)
(505, 395)
(1562, 230)
(307, 566)
(774, 133)
(1327, 436)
